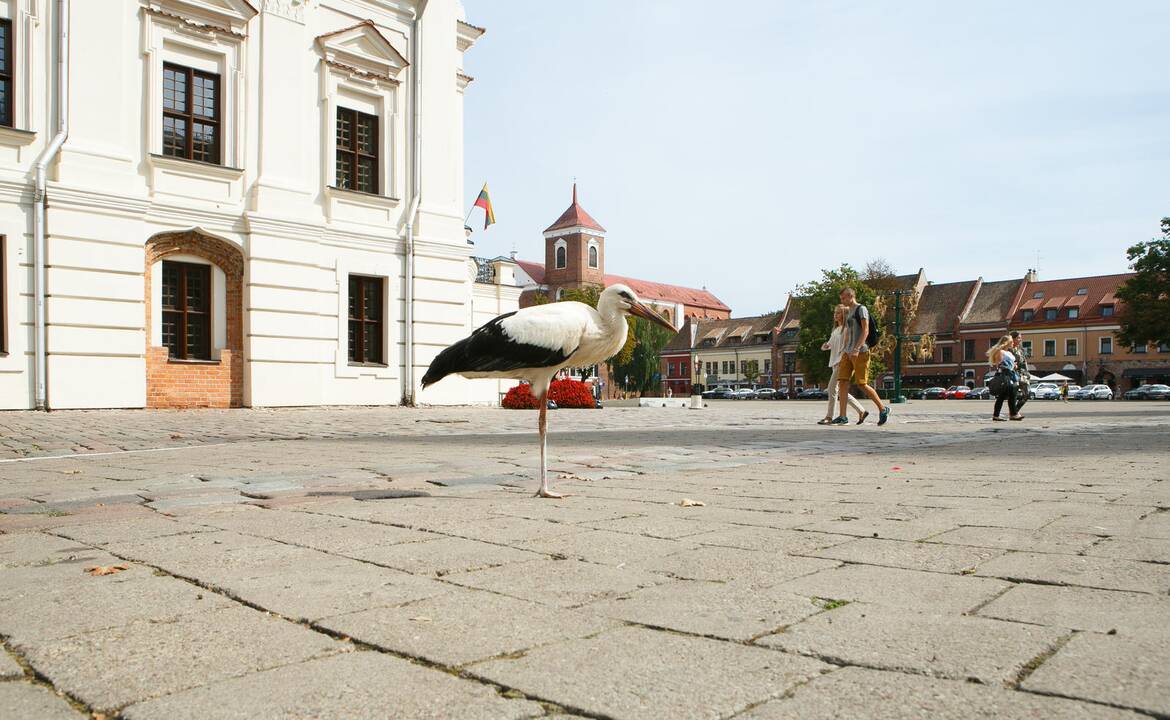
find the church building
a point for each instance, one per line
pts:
(574, 257)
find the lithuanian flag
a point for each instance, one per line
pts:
(485, 201)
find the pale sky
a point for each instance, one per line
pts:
(744, 146)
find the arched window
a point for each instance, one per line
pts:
(560, 256)
(560, 294)
(592, 256)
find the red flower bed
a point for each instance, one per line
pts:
(520, 398)
(570, 394)
(565, 393)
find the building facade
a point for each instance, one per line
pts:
(244, 211)
(732, 353)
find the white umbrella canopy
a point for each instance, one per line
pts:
(1055, 377)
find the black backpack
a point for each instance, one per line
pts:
(874, 335)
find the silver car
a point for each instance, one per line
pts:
(1094, 392)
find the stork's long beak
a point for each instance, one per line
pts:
(644, 312)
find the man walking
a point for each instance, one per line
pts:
(1023, 394)
(855, 358)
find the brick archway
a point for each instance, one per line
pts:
(218, 383)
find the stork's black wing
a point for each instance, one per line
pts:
(491, 349)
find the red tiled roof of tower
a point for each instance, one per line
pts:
(1097, 288)
(575, 216)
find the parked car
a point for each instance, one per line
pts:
(765, 393)
(742, 394)
(1093, 392)
(915, 393)
(717, 393)
(813, 394)
(979, 393)
(1044, 391)
(1148, 392)
(956, 392)
(934, 393)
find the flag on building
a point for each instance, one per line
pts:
(485, 201)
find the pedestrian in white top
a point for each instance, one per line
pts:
(835, 346)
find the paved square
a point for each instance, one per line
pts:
(363, 561)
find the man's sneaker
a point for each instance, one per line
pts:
(864, 415)
(842, 420)
(883, 416)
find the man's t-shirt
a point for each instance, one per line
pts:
(853, 336)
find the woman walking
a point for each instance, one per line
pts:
(1006, 380)
(834, 346)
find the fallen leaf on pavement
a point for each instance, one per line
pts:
(687, 502)
(105, 569)
(896, 467)
(420, 618)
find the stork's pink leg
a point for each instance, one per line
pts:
(544, 492)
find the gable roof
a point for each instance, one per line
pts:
(575, 216)
(1055, 294)
(939, 306)
(646, 289)
(993, 302)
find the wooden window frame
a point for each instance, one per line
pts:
(1070, 344)
(184, 311)
(190, 118)
(356, 351)
(354, 152)
(560, 257)
(7, 77)
(947, 354)
(594, 256)
(1047, 344)
(1101, 345)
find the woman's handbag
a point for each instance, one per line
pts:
(998, 383)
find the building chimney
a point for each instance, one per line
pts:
(1031, 276)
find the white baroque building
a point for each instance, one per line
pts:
(245, 203)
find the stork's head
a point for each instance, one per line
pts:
(622, 299)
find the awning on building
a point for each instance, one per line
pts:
(1145, 372)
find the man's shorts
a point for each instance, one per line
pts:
(855, 368)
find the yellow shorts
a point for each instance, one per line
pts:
(855, 368)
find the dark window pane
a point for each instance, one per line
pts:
(170, 325)
(371, 342)
(203, 143)
(344, 129)
(170, 285)
(367, 179)
(175, 88)
(344, 170)
(5, 110)
(373, 299)
(367, 134)
(174, 137)
(196, 291)
(5, 29)
(197, 328)
(205, 96)
(355, 290)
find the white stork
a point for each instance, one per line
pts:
(535, 343)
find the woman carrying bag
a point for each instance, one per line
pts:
(834, 346)
(1006, 382)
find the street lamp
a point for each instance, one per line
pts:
(700, 380)
(898, 345)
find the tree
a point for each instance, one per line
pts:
(642, 366)
(1145, 312)
(751, 371)
(816, 301)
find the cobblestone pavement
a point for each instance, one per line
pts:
(367, 563)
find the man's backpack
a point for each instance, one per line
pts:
(874, 335)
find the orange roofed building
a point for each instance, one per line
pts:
(574, 256)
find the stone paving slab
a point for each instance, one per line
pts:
(444, 556)
(9, 668)
(605, 547)
(728, 564)
(1105, 611)
(962, 648)
(367, 685)
(862, 693)
(463, 626)
(565, 583)
(735, 610)
(1038, 541)
(910, 589)
(640, 673)
(147, 659)
(909, 555)
(769, 540)
(1156, 550)
(34, 702)
(1111, 573)
(1125, 671)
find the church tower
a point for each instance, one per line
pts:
(574, 250)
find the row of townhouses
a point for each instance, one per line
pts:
(235, 203)
(1068, 326)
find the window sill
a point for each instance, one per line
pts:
(180, 361)
(195, 166)
(367, 365)
(359, 196)
(13, 137)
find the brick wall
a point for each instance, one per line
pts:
(183, 384)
